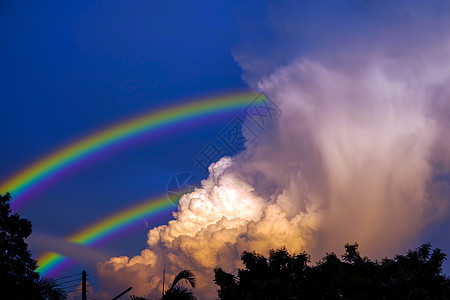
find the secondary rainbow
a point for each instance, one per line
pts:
(25, 183)
(106, 228)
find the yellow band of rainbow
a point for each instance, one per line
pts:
(23, 184)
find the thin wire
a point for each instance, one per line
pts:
(68, 276)
(67, 287)
(69, 281)
(75, 290)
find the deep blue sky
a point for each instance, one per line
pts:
(69, 68)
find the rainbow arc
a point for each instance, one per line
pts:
(50, 262)
(26, 183)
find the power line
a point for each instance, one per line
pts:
(67, 287)
(69, 281)
(68, 276)
(76, 290)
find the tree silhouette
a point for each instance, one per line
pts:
(18, 279)
(50, 289)
(416, 275)
(178, 291)
(133, 297)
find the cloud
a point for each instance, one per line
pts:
(339, 32)
(371, 140)
(359, 153)
(212, 227)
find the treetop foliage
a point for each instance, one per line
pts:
(416, 275)
(18, 279)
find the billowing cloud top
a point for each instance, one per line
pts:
(356, 154)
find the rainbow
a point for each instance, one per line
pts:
(105, 228)
(40, 174)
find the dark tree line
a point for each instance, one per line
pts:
(18, 279)
(416, 275)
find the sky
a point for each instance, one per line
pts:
(357, 148)
(69, 69)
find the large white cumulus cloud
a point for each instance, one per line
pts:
(212, 227)
(371, 136)
(361, 152)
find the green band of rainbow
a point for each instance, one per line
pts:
(22, 185)
(105, 228)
